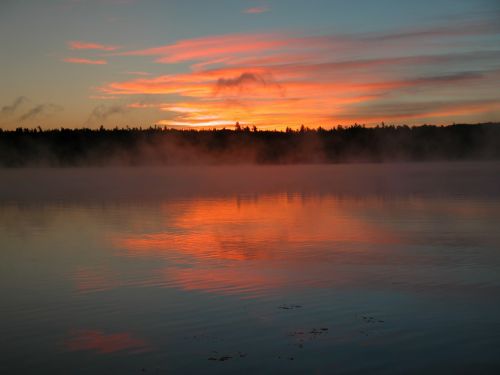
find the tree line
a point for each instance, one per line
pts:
(158, 145)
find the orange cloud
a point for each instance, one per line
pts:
(77, 45)
(274, 95)
(76, 60)
(287, 80)
(210, 47)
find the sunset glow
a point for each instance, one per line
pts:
(250, 186)
(274, 70)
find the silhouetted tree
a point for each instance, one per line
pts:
(159, 145)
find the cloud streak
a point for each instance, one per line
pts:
(77, 60)
(289, 79)
(39, 110)
(12, 108)
(103, 112)
(257, 10)
(78, 45)
(221, 46)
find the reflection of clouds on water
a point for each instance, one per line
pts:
(270, 228)
(105, 343)
(250, 247)
(264, 243)
(299, 273)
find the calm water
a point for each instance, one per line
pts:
(326, 269)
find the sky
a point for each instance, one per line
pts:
(268, 63)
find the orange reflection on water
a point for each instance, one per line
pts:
(264, 228)
(251, 246)
(105, 343)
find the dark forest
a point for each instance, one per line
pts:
(160, 146)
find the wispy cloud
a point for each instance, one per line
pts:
(103, 112)
(246, 81)
(77, 60)
(224, 49)
(10, 109)
(257, 10)
(221, 46)
(103, 97)
(400, 110)
(288, 79)
(40, 110)
(137, 73)
(78, 45)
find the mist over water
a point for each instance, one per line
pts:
(153, 183)
(157, 146)
(374, 268)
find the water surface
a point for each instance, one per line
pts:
(320, 269)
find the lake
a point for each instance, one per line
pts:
(362, 268)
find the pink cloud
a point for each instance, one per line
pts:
(289, 79)
(257, 10)
(77, 45)
(236, 48)
(212, 47)
(77, 60)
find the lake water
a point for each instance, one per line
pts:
(300, 269)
